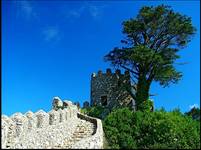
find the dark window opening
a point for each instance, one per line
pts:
(119, 83)
(104, 100)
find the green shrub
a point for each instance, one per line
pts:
(147, 105)
(84, 110)
(126, 129)
(118, 129)
(59, 107)
(95, 111)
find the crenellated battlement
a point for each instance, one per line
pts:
(62, 127)
(108, 88)
(16, 128)
(108, 72)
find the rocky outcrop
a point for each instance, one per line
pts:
(59, 128)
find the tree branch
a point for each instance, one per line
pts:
(129, 69)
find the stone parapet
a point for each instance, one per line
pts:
(96, 140)
(108, 72)
(53, 129)
(38, 130)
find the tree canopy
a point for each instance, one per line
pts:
(152, 41)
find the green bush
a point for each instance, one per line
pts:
(95, 111)
(126, 129)
(147, 105)
(118, 129)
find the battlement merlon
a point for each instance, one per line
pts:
(41, 130)
(109, 73)
(18, 125)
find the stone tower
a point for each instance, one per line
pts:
(106, 89)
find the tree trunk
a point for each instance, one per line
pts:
(142, 93)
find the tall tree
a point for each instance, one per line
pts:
(152, 42)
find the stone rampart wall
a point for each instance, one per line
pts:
(96, 140)
(38, 130)
(43, 130)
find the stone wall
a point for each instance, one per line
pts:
(96, 140)
(110, 85)
(43, 130)
(38, 130)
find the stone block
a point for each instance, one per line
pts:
(32, 120)
(57, 103)
(4, 132)
(21, 124)
(62, 115)
(54, 117)
(42, 119)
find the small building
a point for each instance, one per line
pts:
(109, 89)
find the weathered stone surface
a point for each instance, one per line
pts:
(21, 124)
(106, 89)
(62, 115)
(32, 120)
(57, 103)
(67, 103)
(54, 117)
(95, 140)
(4, 132)
(64, 128)
(42, 119)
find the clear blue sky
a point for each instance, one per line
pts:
(51, 48)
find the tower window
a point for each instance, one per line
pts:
(104, 100)
(119, 83)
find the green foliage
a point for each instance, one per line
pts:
(59, 107)
(147, 105)
(126, 129)
(95, 111)
(152, 42)
(118, 129)
(105, 143)
(84, 110)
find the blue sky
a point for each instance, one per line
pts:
(51, 49)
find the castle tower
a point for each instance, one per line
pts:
(107, 89)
